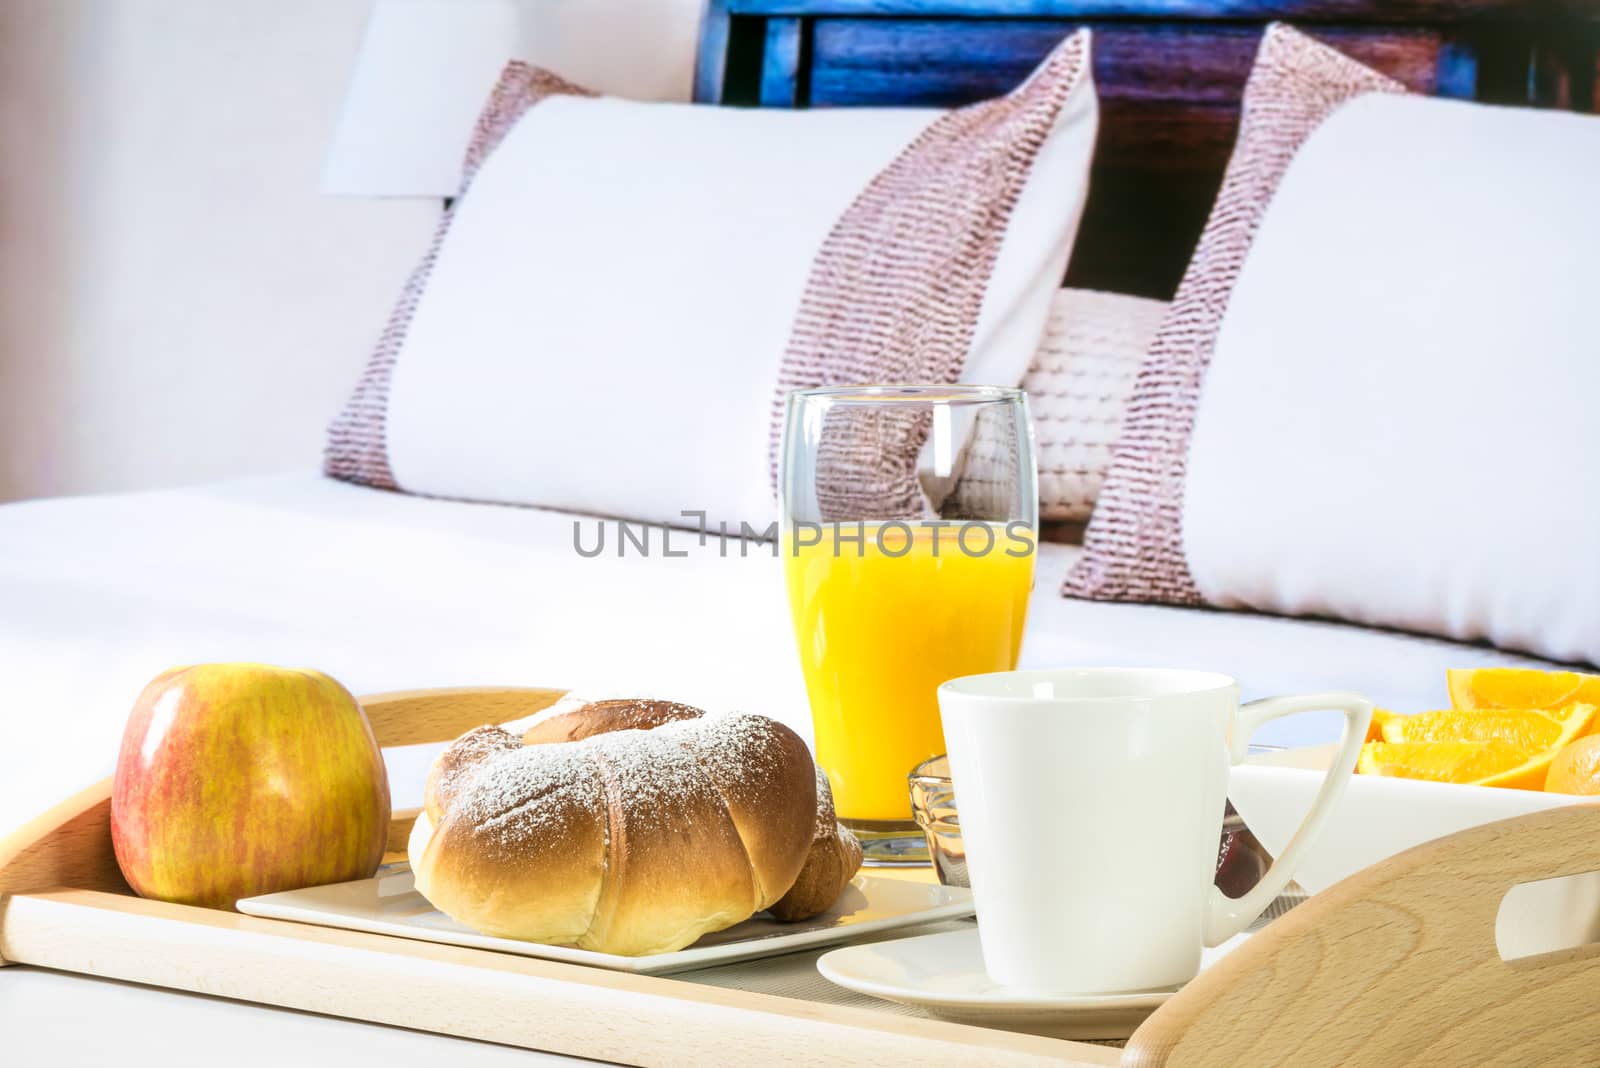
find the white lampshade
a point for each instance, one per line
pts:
(423, 75)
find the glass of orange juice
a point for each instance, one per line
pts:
(910, 517)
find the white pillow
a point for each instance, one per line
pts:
(1372, 396)
(1078, 386)
(609, 308)
(1398, 424)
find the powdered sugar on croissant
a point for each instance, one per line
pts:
(629, 840)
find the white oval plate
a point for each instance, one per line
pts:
(389, 904)
(943, 973)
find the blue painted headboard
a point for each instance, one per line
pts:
(1169, 73)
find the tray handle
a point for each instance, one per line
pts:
(67, 845)
(417, 717)
(1398, 965)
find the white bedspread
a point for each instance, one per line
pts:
(385, 591)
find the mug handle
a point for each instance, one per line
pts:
(1228, 916)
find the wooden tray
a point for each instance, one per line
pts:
(1396, 965)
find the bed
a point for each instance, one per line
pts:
(386, 591)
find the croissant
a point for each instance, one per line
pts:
(834, 858)
(835, 854)
(629, 841)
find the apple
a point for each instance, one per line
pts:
(242, 779)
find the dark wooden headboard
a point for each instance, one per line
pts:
(1169, 74)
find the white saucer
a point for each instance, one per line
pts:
(943, 973)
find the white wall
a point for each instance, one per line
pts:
(177, 301)
(642, 49)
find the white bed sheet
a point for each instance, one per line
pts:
(386, 591)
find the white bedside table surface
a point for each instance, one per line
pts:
(55, 1020)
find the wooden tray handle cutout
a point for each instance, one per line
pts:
(1548, 916)
(421, 717)
(1399, 965)
(418, 717)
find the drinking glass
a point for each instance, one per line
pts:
(909, 523)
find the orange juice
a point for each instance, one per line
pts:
(881, 623)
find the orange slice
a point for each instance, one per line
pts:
(1380, 716)
(1527, 729)
(1576, 769)
(1520, 688)
(1502, 747)
(1459, 762)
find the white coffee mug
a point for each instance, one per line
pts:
(1091, 805)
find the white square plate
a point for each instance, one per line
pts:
(389, 904)
(1378, 816)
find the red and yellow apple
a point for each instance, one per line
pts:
(243, 779)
